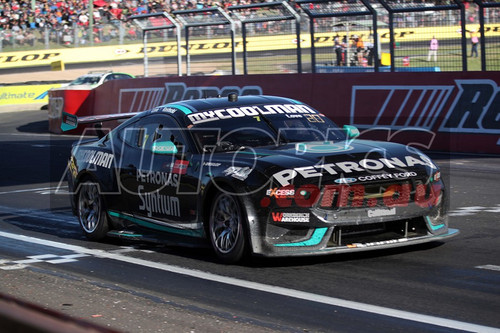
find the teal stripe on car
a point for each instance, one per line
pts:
(295, 101)
(432, 226)
(315, 239)
(151, 225)
(182, 108)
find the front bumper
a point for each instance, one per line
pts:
(320, 243)
(326, 238)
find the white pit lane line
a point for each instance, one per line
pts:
(27, 190)
(379, 310)
(489, 267)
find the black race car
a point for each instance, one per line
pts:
(254, 174)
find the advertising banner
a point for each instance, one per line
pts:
(25, 94)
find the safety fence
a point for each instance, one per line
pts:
(305, 36)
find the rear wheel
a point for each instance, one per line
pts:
(91, 212)
(226, 228)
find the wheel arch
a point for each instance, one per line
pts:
(209, 196)
(83, 177)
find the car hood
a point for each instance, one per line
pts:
(342, 162)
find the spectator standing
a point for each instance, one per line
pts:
(360, 49)
(474, 40)
(338, 49)
(433, 49)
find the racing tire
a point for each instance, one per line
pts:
(227, 228)
(91, 213)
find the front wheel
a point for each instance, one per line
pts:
(226, 228)
(91, 212)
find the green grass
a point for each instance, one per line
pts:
(449, 58)
(277, 64)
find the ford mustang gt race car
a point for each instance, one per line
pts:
(258, 175)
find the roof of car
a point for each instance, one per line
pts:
(102, 73)
(232, 100)
(180, 109)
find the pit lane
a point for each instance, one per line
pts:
(142, 287)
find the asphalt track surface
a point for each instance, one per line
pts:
(137, 287)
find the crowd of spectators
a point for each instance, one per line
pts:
(20, 14)
(21, 20)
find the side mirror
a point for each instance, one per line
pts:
(352, 132)
(164, 148)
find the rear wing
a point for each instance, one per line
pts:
(70, 121)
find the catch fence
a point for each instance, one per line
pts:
(305, 36)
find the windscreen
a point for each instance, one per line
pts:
(85, 80)
(261, 125)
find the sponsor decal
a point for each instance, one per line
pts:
(197, 47)
(280, 192)
(387, 242)
(158, 178)
(411, 34)
(344, 195)
(165, 109)
(290, 217)
(121, 51)
(156, 203)
(381, 212)
(178, 91)
(240, 173)
(285, 177)
(28, 94)
(98, 158)
(248, 111)
(474, 109)
(212, 164)
(161, 148)
(345, 180)
(180, 167)
(27, 57)
(383, 176)
(292, 116)
(321, 148)
(140, 99)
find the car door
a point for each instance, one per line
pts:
(163, 180)
(128, 148)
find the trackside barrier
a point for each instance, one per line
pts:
(356, 69)
(442, 111)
